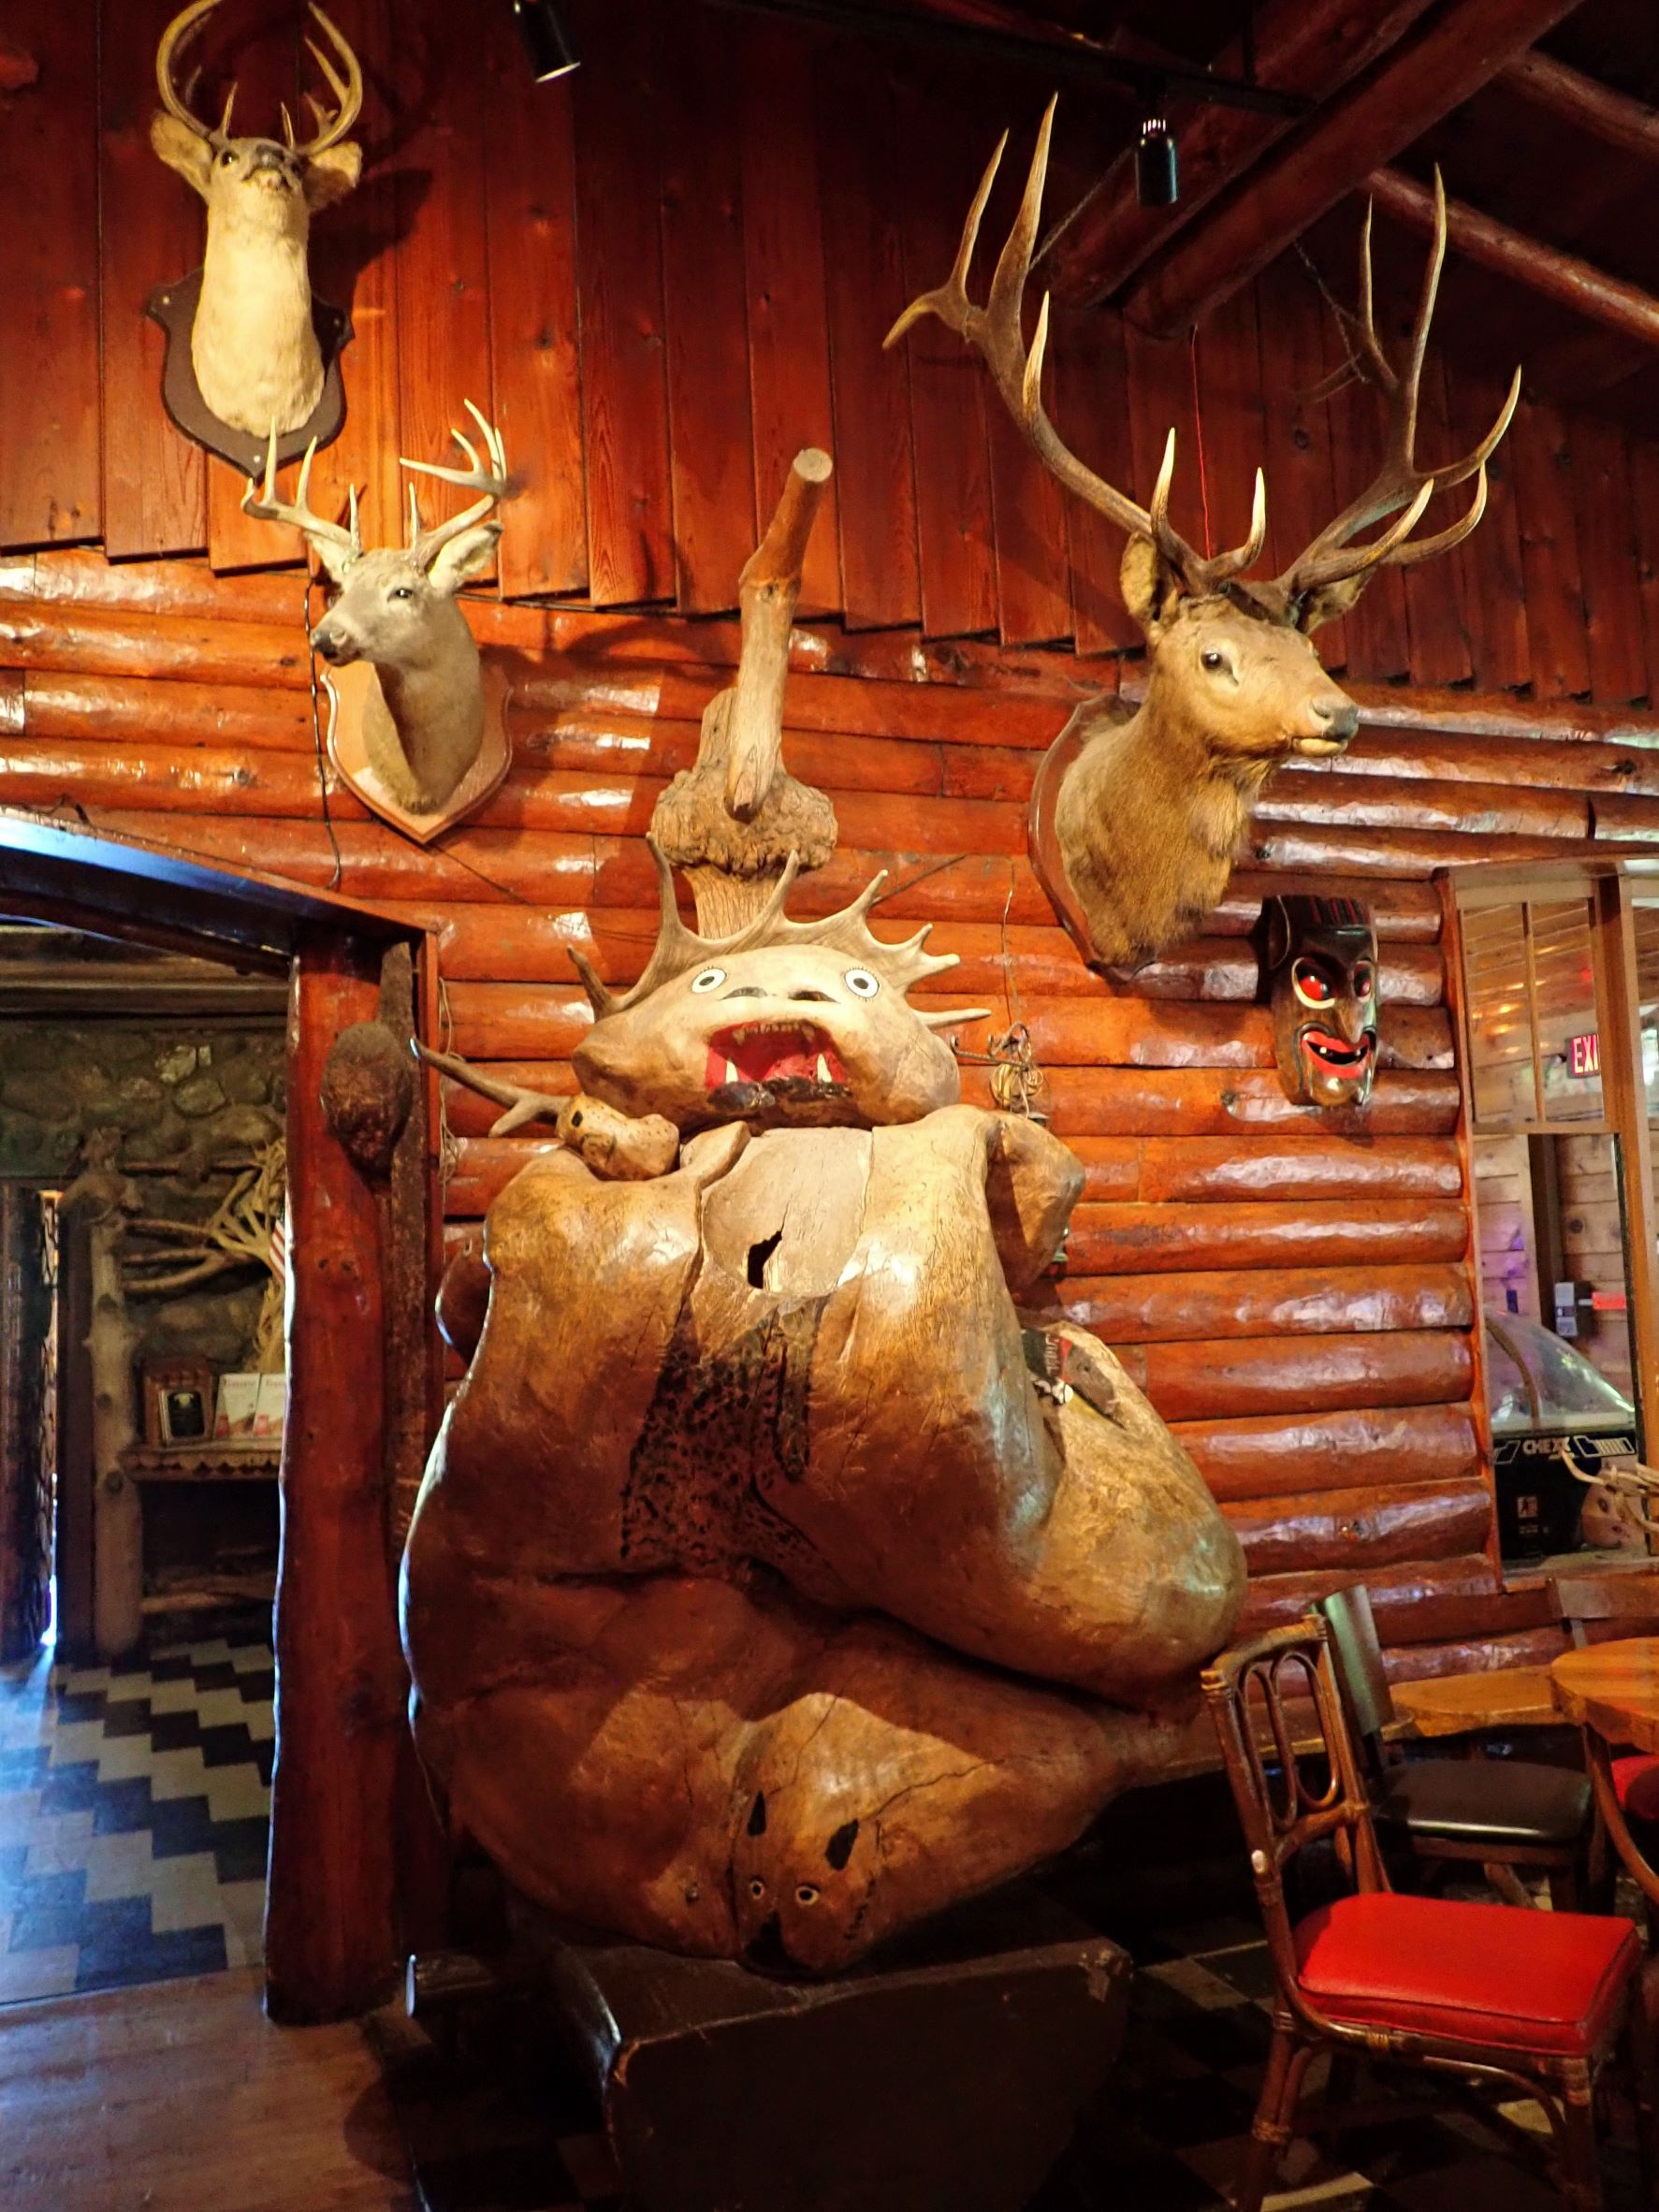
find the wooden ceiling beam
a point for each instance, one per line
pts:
(1546, 269)
(1311, 47)
(1434, 69)
(1630, 126)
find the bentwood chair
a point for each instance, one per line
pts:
(1534, 2003)
(1632, 1599)
(1500, 1813)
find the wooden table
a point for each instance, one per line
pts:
(1468, 1704)
(1612, 1692)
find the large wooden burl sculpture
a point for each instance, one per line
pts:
(776, 1581)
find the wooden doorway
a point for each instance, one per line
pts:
(349, 1826)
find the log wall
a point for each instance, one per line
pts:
(662, 278)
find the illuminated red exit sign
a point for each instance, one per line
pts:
(1584, 1054)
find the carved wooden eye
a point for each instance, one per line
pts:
(710, 980)
(1362, 981)
(757, 1888)
(861, 983)
(1310, 985)
(805, 1895)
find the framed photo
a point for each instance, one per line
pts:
(178, 1401)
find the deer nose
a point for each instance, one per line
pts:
(1341, 716)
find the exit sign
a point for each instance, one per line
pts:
(1584, 1054)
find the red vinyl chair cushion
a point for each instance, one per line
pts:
(1543, 1982)
(1637, 1781)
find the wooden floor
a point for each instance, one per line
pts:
(181, 2097)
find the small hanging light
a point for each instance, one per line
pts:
(1157, 172)
(545, 41)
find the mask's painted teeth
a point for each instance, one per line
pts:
(732, 1068)
(823, 1073)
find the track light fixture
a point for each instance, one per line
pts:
(1157, 172)
(545, 41)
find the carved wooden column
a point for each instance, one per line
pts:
(331, 1935)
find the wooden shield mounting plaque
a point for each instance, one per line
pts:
(173, 306)
(348, 690)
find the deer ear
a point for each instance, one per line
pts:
(464, 557)
(184, 150)
(1329, 603)
(333, 560)
(1151, 591)
(331, 174)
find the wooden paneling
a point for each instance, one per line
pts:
(665, 276)
(50, 488)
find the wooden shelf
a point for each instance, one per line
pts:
(215, 1460)
(211, 1594)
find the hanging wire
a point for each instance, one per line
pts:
(316, 735)
(1198, 424)
(449, 1142)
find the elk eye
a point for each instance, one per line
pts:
(710, 980)
(402, 592)
(1214, 659)
(226, 160)
(861, 983)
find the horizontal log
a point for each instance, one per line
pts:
(1360, 1529)
(96, 641)
(1425, 1601)
(1398, 852)
(534, 947)
(1219, 1379)
(1155, 1169)
(182, 781)
(1626, 819)
(1310, 1166)
(1587, 763)
(1528, 1647)
(1129, 1102)
(514, 1021)
(1401, 908)
(1280, 1457)
(1335, 800)
(120, 710)
(1339, 1232)
(1282, 1302)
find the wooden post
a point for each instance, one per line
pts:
(1626, 1103)
(329, 1928)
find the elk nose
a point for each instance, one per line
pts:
(1341, 718)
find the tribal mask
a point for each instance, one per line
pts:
(1319, 959)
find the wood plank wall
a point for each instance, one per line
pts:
(662, 277)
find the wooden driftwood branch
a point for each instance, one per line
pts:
(732, 820)
(611, 1143)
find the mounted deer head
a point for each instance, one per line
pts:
(253, 344)
(424, 722)
(1140, 822)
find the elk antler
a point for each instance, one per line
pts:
(493, 483)
(331, 128)
(1399, 484)
(995, 332)
(262, 502)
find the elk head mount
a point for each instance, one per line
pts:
(1135, 826)
(247, 344)
(419, 722)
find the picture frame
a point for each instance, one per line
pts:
(178, 1401)
(238, 1400)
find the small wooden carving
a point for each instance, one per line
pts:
(258, 355)
(1318, 960)
(1144, 821)
(418, 726)
(367, 1089)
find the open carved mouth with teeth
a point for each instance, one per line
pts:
(1337, 1052)
(772, 1053)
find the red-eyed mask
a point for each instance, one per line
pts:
(1319, 961)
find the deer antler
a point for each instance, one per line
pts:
(347, 91)
(997, 333)
(1399, 484)
(183, 28)
(493, 483)
(262, 502)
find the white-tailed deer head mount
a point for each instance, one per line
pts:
(1137, 824)
(424, 716)
(253, 344)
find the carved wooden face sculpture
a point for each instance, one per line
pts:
(1320, 958)
(785, 1024)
